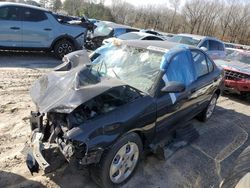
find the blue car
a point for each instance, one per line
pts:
(29, 27)
(212, 46)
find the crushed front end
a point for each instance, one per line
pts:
(50, 129)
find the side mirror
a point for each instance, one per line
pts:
(204, 49)
(173, 87)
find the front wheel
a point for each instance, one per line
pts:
(63, 47)
(208, 111)
(119, 163)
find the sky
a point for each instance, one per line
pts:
(142, 2)
(146, 2)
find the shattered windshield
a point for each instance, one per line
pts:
(102, 29)
(238, 56)
(138, 68)
(185, 40)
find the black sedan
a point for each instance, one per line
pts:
(103, 111)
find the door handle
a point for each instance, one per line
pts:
(15, 28)
(47, 29)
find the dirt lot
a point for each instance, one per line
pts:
(204, 163)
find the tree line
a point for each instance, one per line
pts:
(228, 20)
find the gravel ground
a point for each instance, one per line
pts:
(204, 163)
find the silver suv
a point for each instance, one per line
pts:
(29, 27)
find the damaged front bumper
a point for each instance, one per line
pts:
(35, 158)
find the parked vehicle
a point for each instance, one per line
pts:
(236, 46)
(105, 30)
(134, 36)
(29, 27)
(214, 47)
(129, 96)
(237, 71)
(163, 35)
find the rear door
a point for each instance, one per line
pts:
(205, 84)
(10, 23)
(37, 31)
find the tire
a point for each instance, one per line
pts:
(104, 173)
(208, 111)
(63, 47)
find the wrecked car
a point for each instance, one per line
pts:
(104, 30)
(237, 72)
(127, 97)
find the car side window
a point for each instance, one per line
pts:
(210, 65)
(33, 15)
(215, 45)
(221, 46)
(181, 68)
(200, 63)
(10, 13)
(205, 44)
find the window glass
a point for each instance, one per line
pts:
(9, 13)
(221, 46)
(205, 44)
(210, 65)
(200, 63)
(214, 45)
(119, 31)
(181, 69)
(33, 15)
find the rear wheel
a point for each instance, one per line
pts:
(119, 163)
(63, 47)
(208, 111)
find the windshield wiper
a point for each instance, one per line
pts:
(115, 74)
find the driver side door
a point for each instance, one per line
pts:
(173, 108)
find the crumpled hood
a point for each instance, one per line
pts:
(234, 65)
(69, 85)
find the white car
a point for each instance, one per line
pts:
(134, 36)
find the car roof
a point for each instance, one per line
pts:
(155, 44)
(198, 37)
(115, 25)
(23, 5)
